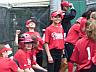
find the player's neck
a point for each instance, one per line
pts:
(55, 24)
(31, 30)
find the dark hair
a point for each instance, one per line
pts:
(92, 9)
(88, 12)
(33, 19)
(20, 37)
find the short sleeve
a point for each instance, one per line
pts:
(13, 66)
(47, 35)
(76, 27)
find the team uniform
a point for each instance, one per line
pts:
(54, 36)
(71, 39)
(83, 54)
(40, 47)
(24, 55)
(24, 58)
(8, 65)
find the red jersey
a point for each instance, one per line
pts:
(24, 58)
(73, 34)
(8, 65)
(40, 47)
(83, 53)
(54, 36)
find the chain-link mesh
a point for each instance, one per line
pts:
(12, 19)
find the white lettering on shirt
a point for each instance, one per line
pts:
(57, 35)
(89, 54)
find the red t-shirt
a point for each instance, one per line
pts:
(83, 53)
(8, 65)
(23, 58)
(54, 36)
(40, 47)
(73, 34)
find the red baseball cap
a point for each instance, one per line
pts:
(31, 20)
(65, 3)
(55, 13)
(5, 49)
(28, 21)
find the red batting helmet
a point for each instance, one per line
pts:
(4, 48)
(27, 38)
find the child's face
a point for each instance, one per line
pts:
(65, 8)
(28, 46)
(57, 19)
(5, 54)
(31, 25)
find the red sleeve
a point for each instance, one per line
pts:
(76, 27)
(41, 42)
(13, 66)
(47, 35)
(33, 62)
(22, 60)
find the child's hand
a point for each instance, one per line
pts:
(18, 32)
(71, 5)
(64, 60)
(45, 70)
(50, 59)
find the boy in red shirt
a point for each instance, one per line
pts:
(54, 42)
(26, 57)
(7, 64)
(23, 55)
(85, 49)
(72, 37)
(31, 26)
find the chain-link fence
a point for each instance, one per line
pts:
(14, 18)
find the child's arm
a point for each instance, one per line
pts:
(36, 66)
(50, 59)
(16, 36)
